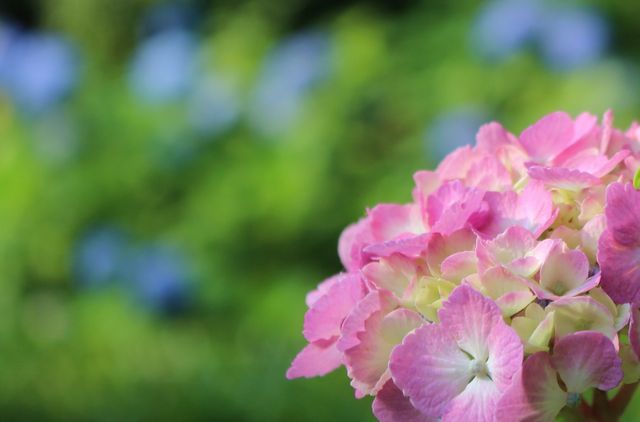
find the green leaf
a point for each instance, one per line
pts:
(636, 179)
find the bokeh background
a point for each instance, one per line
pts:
(174, 176)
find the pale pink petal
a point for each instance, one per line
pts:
(390, 405)
(532, 209)
(389, 221)
(316, 359)
(395, 273)
(426, 182)
(510, 291)
(456, 164)
(548, 137)
(459, 265)
(491, 137)
(565, 273)
(488, 173)
(563, 178)
(375, 301)
(509, 249)
(368, 361)
(586, 360)
(324, 319)
(473, 321)
(441, 247)
(410, 247)
(534, 395)
(430, 369)
(476, 403)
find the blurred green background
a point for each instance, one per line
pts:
(174, 177)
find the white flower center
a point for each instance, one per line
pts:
(479, 368)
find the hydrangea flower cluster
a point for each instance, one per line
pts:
(505, 291)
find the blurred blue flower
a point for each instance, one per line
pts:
(502, 27)
(453, 129)
(164, 66)
(100, 257)
(287, 75)
(37, 70)
(572, 37)
(160, 279)
(213, 106)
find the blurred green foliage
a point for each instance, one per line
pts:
(255, 215)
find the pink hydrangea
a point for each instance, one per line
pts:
(500, 292)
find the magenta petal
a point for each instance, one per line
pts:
(620, 267)
(324, 319)
(316, 359)
(452, 206)
(585, 360)
(390, 405)
(534, 395)
(430, 368)
(623, 205)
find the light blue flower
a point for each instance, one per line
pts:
(37, 70)
(287, 75)
(160, 278)
(100, 257)
(452, 129)
(503, 27)
(570, 38)
(164, 66)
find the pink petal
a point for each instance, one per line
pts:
(533, 209)
(390, 405)
(548, 136)
(563, 178)
(620, 266)
(430, 369)
(456, 164)
(452, 207)
(441, 247)
(375, 301)
(351, 243)
(623, 203)
(564, 272)
(488, 173)
(492, 136)
(411, 247)
(476, 403)
(459, 265)
(585, 360)
(316, 359)
(389, 221)
(368, 361)
(507, 249)
(476, 323)
(324, 319)
(396, 273)
(534, 395)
